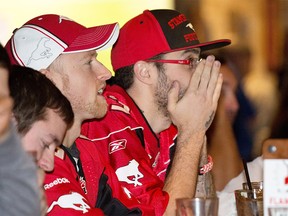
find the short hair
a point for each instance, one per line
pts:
(4, 59)
(33, 94)
(124, 76)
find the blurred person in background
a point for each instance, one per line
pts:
(18, 184)
(221, 140)
(239, 60)
(279, 128)
(257, 109)
(233, 149)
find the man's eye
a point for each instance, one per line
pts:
(193, 62)
(45, 145)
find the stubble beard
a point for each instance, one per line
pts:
(161, 93)
(81, 108)
(98, 109)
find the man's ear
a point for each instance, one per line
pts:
(142, 71)
(14, 121)
(45, 72)
(48, 74)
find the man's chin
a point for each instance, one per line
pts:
(101, 111)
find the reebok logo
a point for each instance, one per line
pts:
(117, 145)
(56, 182)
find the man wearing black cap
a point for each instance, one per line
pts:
(159, 83)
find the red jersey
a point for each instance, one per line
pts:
(63, 192)
(138, 156)
(99, 194)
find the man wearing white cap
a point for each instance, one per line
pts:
(66, 52)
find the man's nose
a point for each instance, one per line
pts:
(46, 162)
(103, 73)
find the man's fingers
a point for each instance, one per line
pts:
(196, 77)
(215, 98)
(206, 75)
(214, 78)
(217, 90)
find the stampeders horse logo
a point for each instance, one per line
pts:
(130, 173)
(42, 51)
(73, 201)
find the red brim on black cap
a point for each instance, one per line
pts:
(205, 46)
(214, 44)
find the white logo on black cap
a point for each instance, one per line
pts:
(189, 25)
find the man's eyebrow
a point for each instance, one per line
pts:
(57, 141)
(195, 51)
(89, 55)
(54, 140)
